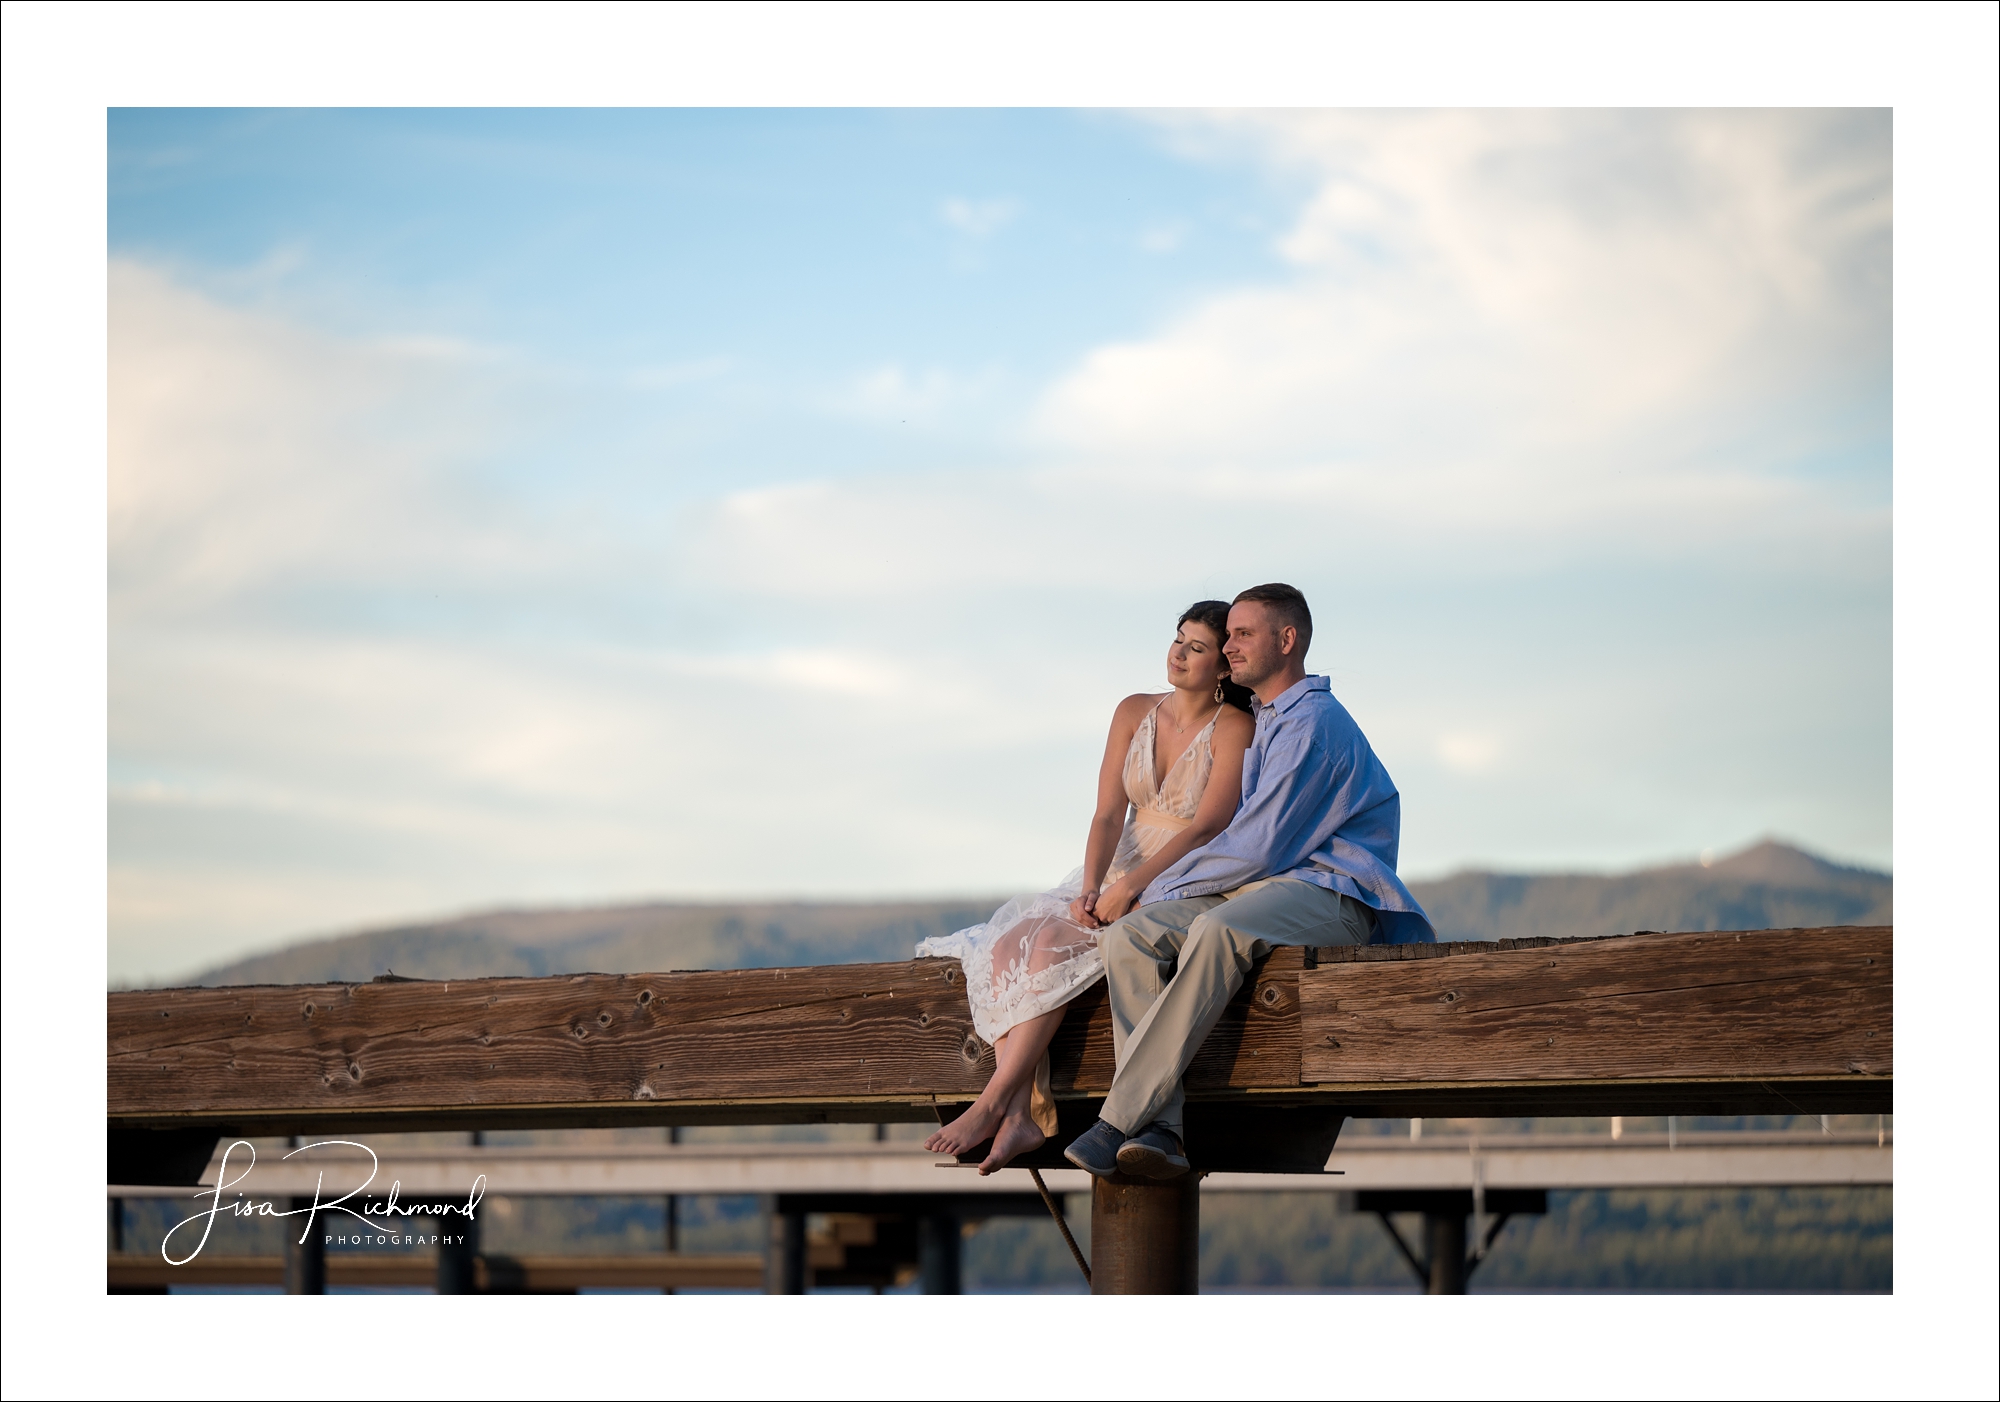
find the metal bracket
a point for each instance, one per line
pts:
(1423, 1268)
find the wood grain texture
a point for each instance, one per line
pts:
(843, 1032)
(1254, 1046)
(1771, 1095)
(1790, 1021)
(848, 1030)
(1712, 1006)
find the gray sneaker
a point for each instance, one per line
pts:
(1154, 1152)
(1095, 1151)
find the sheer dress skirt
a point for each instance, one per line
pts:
(1030, 958)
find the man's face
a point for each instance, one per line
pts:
(1256, 646)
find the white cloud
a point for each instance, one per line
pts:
(890, 392)
(1538, 420)
(1468, 753)
(247, 456)
(977, 218)
(679, 373)
(356, 676)
(1511, 316)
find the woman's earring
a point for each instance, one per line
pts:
(1218, 691)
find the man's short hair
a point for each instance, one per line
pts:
(1287, 604)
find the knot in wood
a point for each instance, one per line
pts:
(645, 996)
(1449, 998)
(1269, 996)
(969, 1049)
(579, 1032)
(604, 1019)
(353, 1070)
(923, 1019)
(310, 1010)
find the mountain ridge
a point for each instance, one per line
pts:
(1765, 886)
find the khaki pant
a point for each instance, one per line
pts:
(1160, 1016)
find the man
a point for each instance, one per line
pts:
(1310, 858)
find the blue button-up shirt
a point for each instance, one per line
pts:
(1318, 807)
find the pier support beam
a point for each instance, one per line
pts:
(785, 1254)
(1446, 1264)
(1145, 1235)
(305, 1261)
(938, 1253)
(1444, 1234)
(458, 1257)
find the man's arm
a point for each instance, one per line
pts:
(1295, 788)
(1219, 802)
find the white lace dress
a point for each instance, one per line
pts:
(1030, 956)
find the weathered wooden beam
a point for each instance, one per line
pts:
(1794, 1017)
(1723, 1023)
(865, 1043)
(1254, 1047)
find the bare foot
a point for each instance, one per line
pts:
(1017, 1135)
(968, 1131)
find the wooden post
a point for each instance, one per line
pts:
(457, 1260)
(1145, 1236)
(673, 1212)
(305, 1261)
(785, 1256)
(1444, 1234)
(938, 1242)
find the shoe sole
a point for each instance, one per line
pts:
(1093, 1172)
(1150, 1163)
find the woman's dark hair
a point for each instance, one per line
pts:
(1213, 615)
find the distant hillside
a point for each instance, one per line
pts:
(1767, 886)
(617, 939)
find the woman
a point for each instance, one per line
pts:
(1176, 761)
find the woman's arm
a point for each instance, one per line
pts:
(1233, 732)
(1109, 820)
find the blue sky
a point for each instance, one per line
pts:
(741, 271)
(574, 506)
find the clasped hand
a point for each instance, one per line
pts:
(1095, 909)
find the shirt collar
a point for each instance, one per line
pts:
(1294, 693)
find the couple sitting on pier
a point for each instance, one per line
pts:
(1259, 817)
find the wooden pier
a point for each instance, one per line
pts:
(1699, 1023)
